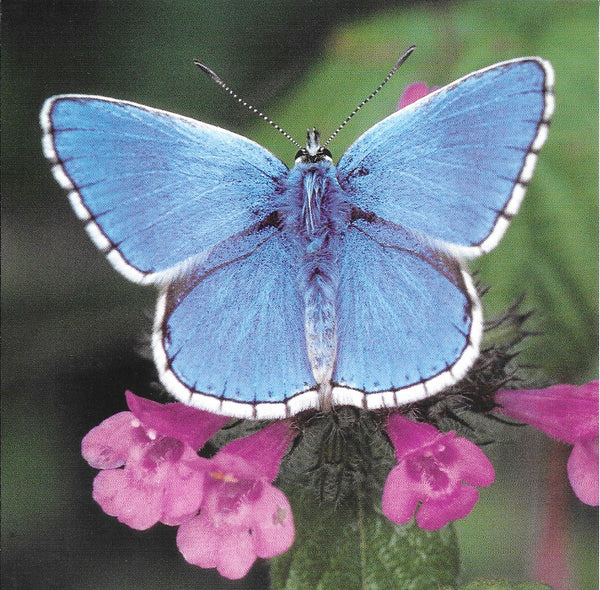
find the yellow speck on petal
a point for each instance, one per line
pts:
(221, 476)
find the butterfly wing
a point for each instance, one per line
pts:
(229, 337)
(409, 319)
(455, 164)
(154, 188)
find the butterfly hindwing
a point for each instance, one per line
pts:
(229, 337)
(409, 319)
(154, 188)
(455, 164)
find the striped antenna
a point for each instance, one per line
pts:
(222, 84)
(366, 100)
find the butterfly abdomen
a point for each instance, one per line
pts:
(320, 326)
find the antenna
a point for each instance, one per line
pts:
(404, 57)
(222, 84)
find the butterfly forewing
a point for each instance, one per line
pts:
(454, 165)
(154, 188)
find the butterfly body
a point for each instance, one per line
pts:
(286, 289)
(315, 215)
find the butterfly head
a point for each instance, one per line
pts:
(313, 152)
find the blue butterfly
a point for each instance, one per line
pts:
(286, 289)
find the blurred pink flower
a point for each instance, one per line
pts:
(568, 413)
(414, 92)
(438, 470)
(242, 516)
(151, 470)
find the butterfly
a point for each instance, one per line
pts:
(282, 290)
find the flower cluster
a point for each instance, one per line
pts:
(226, 507)
(227, 510)
(229, 513)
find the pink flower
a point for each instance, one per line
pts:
(242, 516)
(414, 92)
(439, 470)
(568, 413)
(151, 470)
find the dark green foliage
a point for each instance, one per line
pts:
(503, 585)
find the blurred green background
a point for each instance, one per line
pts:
(75, 332)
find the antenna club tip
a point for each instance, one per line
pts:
(222, 84)
(207, 70)
(405, 56)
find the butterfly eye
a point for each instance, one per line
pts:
(325, 152)
(300, 154)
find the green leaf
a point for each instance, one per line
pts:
(353, 546)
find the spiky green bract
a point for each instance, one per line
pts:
(339, 455)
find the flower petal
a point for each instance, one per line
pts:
(199, 541)
(273, 530)
(473, 466)
(582, 469)
(260, 453)
(176, 420)
(107, 445)
(566, 412)
(401, 494)
(230, 550)
(137, 507)
(183, 490)
(236, 554)
(437, 512)
(412, 93)
(408, 436)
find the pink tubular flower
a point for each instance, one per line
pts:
(150, 469)
(439, 470)
(568, 413)
(242, 516)
(412, 93)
